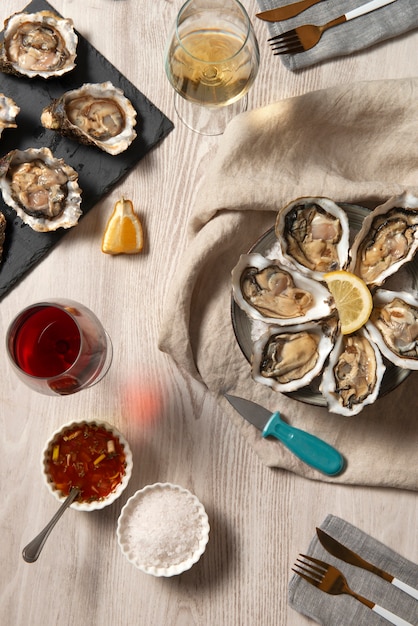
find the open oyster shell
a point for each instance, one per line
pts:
(387, 239)
(8, 113)
(353, 374)
(38, 44)
(265, 290)
(313, 234)
(42, 189)
(393, 326)
(287, 358)
(96, 114)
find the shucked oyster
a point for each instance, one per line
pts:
(267, 291)
(8, 112)
(313, 234)
(393, 325)
(388, 238)
(290, 357)
(38, 44)
(353, 374)
(95, 114)
(42, 189)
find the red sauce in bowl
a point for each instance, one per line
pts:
(89, 457)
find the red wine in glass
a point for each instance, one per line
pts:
(59, 347)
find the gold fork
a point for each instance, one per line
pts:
(329, 579)
(306, 37)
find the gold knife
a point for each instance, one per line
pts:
(290, 10)
(335, 548)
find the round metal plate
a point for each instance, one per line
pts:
(406, 279)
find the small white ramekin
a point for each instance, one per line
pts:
(163, 529)
(94, 504)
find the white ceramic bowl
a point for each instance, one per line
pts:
(163, 529)
(91, 505)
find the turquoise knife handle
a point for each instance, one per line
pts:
(313, 451)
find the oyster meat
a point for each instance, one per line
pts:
(353, 375)
(42, 189)
(38, 44)
(313, 234)
(267, 291)
(8, 112)
(388, 238)
(2, 233)
(289, 358)
(393, 325)
(95, 114)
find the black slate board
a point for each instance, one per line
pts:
(98, 172)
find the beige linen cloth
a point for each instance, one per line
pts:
(356, 143)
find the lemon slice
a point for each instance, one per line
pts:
(123, 233)
(352, 298)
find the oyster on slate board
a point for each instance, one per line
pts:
(98, 172)
(38, 44)
(97, 114)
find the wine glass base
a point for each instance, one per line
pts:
(206, 120)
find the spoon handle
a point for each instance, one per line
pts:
(31, 552)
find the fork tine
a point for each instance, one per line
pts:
(284, 36)
(285, 42)
(293, 50)
(288, 48)
(313, 581)
(288, 42)
(311, 569)
(313, 564)
(317, 576)
(290, 35)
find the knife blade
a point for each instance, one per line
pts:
(284, 13)
(310, 449)
(340, 551)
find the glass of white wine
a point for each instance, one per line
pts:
(212, 60)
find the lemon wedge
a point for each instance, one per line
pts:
(352, 298)
(123, 233)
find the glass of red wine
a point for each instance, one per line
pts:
(58, 347)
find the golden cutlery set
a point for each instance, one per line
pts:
(305, 37)
(329, 579)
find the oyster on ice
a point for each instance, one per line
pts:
(353, 374)
(289, 358)
(313, 234)
(387, 239)
(8, 112)
(95, 114)
(393, 326)
(267, 291)
(38, 44)
(42, 189)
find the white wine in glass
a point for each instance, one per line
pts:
(212, 60)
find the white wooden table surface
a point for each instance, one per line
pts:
(260, 518)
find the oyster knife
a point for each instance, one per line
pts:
(308, 448)
(337, 549)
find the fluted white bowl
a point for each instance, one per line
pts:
(163, 529)
(92, 505)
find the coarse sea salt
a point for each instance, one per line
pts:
(163, 527)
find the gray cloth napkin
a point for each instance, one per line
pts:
(362, 32)
(344, 610)
(355, 143)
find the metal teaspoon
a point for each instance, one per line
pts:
(31, 552)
